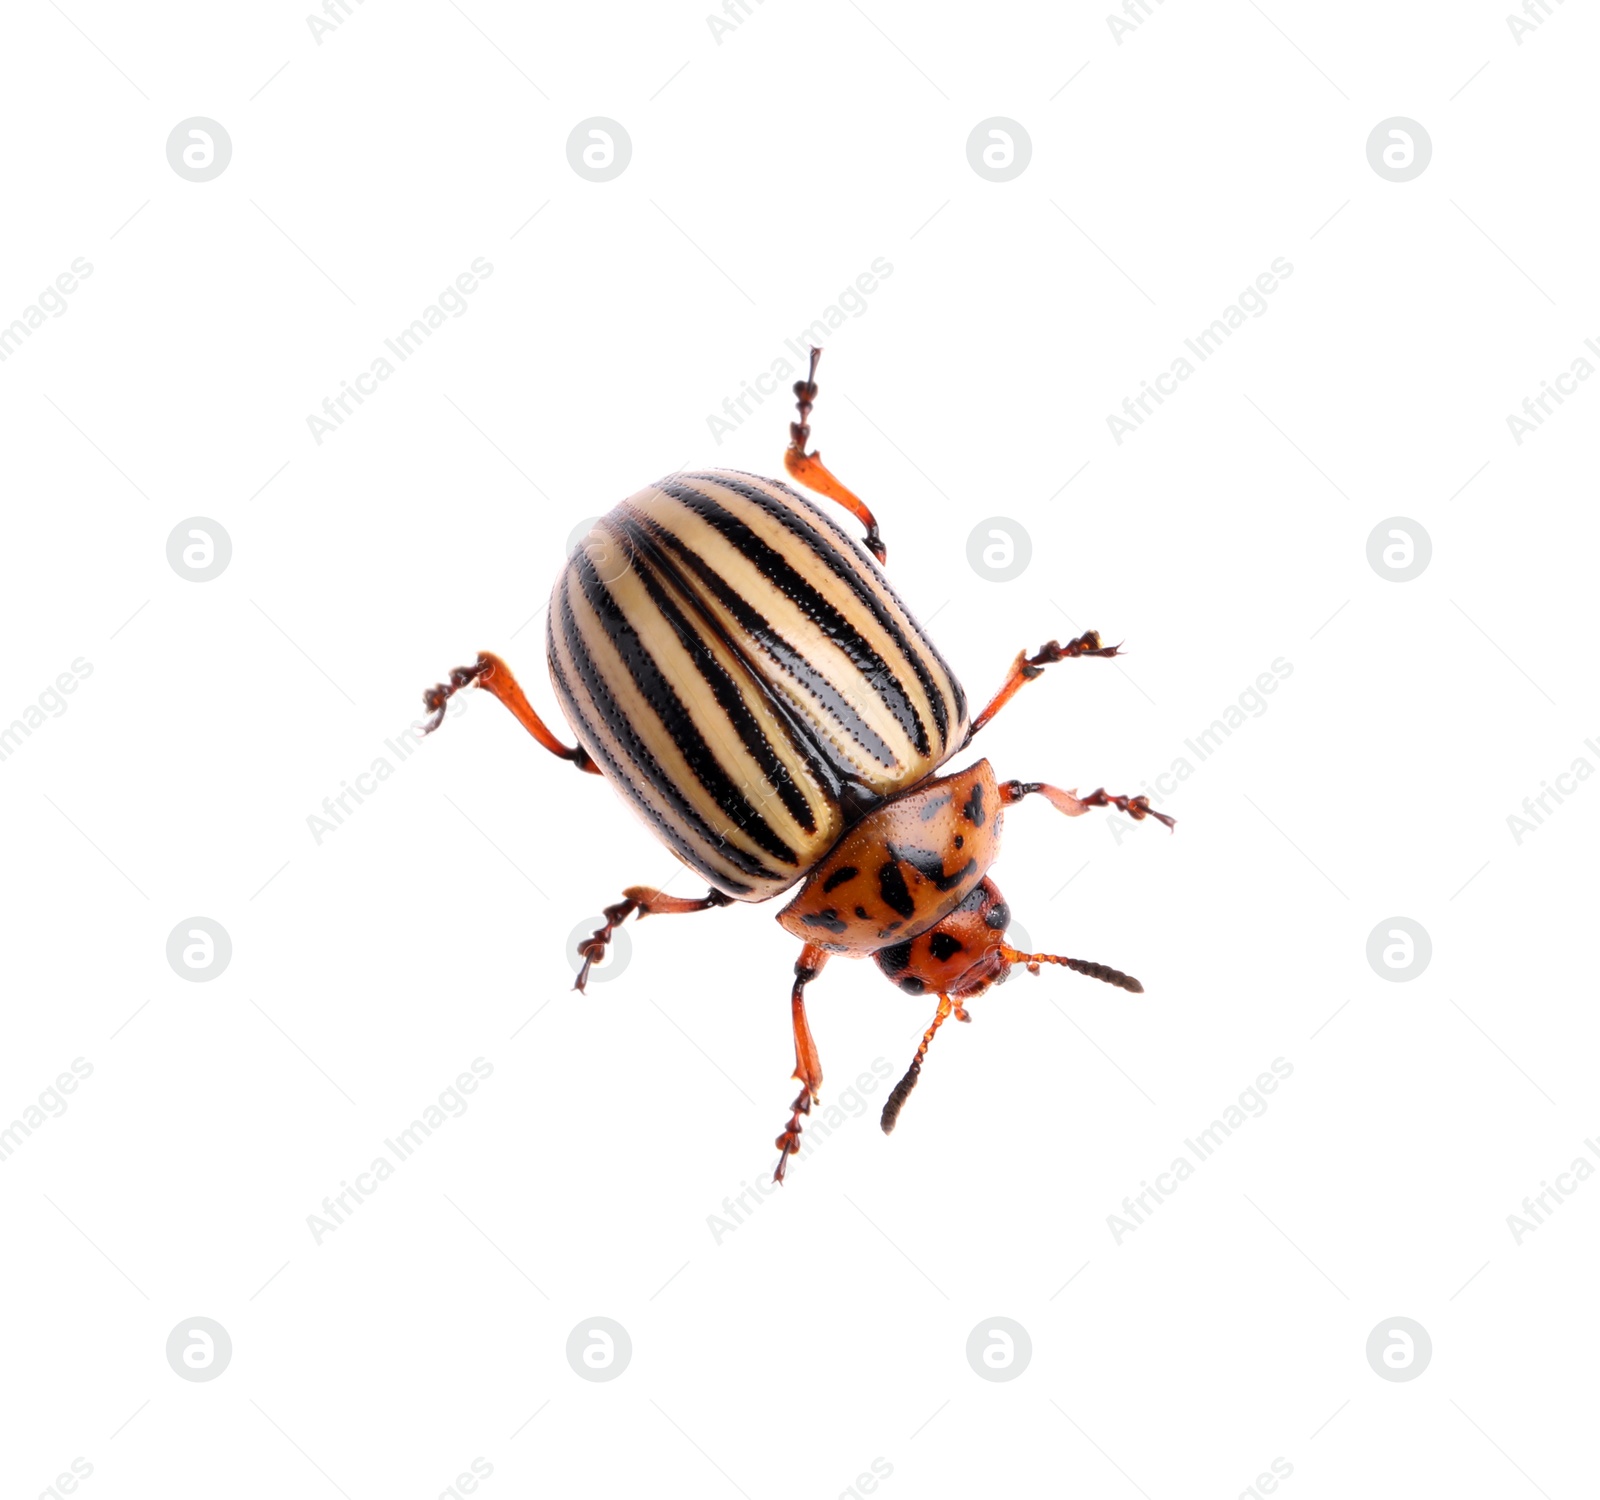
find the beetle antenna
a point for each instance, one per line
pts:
(902, 1090)
(1078, 966)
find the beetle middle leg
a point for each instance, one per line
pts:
(1025, 668)
(1075, 806)
(648, 903)
(807, 1064)
(810, 471)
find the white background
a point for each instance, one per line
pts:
(828, 1329)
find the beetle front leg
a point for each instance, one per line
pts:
(1075, 806)
(810, 471)
(1025, 668)
(648, 903)
(807, 1064)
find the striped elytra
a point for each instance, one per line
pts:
(744, 676)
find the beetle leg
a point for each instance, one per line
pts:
(902, 1090)
(1025, 668)
(493, 674)
(1075, 806)
(810, 471)
(648, 903)
(807, 1064)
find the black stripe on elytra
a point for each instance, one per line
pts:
(669, 831)
(792, 662)
(845, 563)
(824, 518)
(792, 584)
(675, 717)
(598, 694)
(730, 699)
(930, 866)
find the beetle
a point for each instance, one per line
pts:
(740, 670)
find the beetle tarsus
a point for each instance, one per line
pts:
(809, 469)
(1073, 806)
(436, 697)
(648, 902)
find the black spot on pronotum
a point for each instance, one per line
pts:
(861, 912)
(931, 867)
(912, 985)
(973, 811)
(931, 809)
(944, 947)
(974, 899)
(998, 916)
(838, 878)
(960, 842)
(892, 960)
(828, 919)
(892, 885)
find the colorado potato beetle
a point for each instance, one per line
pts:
(741, 672)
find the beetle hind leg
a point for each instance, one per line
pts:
(648, 903)
(807, 1064)
(808, 468)
(493, 675)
